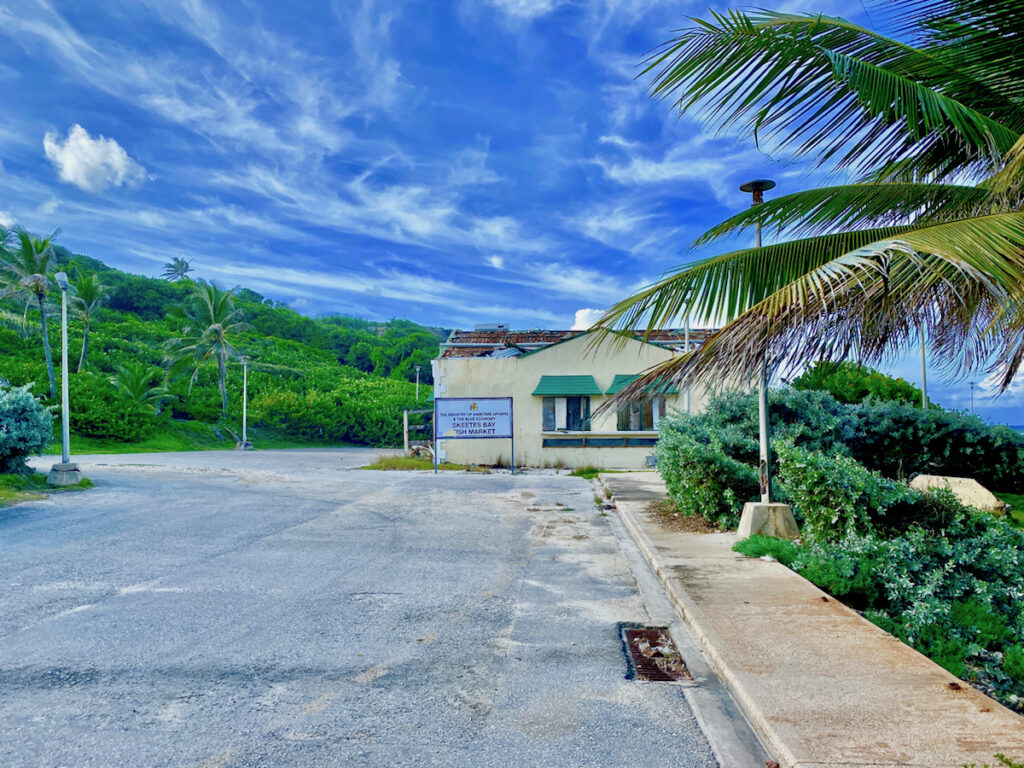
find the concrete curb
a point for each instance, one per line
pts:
(709, 642)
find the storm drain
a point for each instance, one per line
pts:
(651, 654)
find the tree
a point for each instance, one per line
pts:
(176, 269)
(26, 262)
(89, 296)
(849, 382)
(930, 240)
(143, 383)
(210, 320)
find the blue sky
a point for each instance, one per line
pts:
(450, 162)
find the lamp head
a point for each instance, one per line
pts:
(62, 280)
(757, 188)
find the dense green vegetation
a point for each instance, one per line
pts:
(850, 382)
(162, 367)
(943, 578)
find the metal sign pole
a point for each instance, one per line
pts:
(512, 422)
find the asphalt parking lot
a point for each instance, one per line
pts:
(285, 608)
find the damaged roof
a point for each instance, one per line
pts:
(514, 343)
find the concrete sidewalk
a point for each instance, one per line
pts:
(821, 685)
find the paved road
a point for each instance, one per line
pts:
(287, 609)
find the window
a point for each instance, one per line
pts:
(641, 415)
(566, 413)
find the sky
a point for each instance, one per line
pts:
(454, 163)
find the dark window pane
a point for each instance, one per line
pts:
(622, 419)
(648, 410)
(586, 414)
(573, 414)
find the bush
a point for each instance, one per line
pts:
(900, 441)
(26, 428)
(99, 410)
(835, 497)
(850, 382)
(1013, 663)
(700, 477)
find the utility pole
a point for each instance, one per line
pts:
(418, 383)
(245, 445)
(972, 398)
(924, 372)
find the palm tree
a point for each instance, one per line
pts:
(142, 382)
(27, 265)
(210, 320)
(176, 269)
(929, 240)
(90, 294)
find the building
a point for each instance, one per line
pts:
(557, 380)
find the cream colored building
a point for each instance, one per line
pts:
(557, 380)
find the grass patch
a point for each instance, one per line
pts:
(183, 436)
(587, 473)
(18, 488)
(758, 546)
(415, 463)
(1016, 511)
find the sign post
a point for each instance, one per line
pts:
(473, 418)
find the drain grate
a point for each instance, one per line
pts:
(652, 655)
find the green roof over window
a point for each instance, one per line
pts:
(562, 386)
(622, 379)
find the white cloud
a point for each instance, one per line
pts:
(92, 164)
(586, 318)
(496, 261)
(470, 168)
(7, 221)
(527, 9)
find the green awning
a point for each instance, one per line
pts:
(622, 379)
(562, 386)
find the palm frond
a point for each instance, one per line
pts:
(819, 211)
(815, 81)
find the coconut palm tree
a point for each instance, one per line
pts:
(210, 320)
(143, 383)
(176, 269)
(89, 296)
(26, 263)
(929, 239)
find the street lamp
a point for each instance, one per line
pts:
(245, 445)
(765, 517)
(64, 473)
(757, 188)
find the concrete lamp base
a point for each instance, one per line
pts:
(246, 446)
(64, 474)
(767, 520)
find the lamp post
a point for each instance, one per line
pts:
(764, 517)
(245, 445)
(686, 348)
(972, 398)
(757, 188)
(418, 383)
(64, 473)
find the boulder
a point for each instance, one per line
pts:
(967, 490)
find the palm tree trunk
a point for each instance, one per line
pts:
(46, 346)
(85, 349)
(222, 372)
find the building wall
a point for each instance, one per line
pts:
(518, 377)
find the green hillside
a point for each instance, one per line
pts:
(332, 379)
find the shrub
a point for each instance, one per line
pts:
(312, 415)
(835, 497)
(99, 410)
(1013, 663)
(850, 382)
(848, 576)
(26, 428)
(701, 478)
